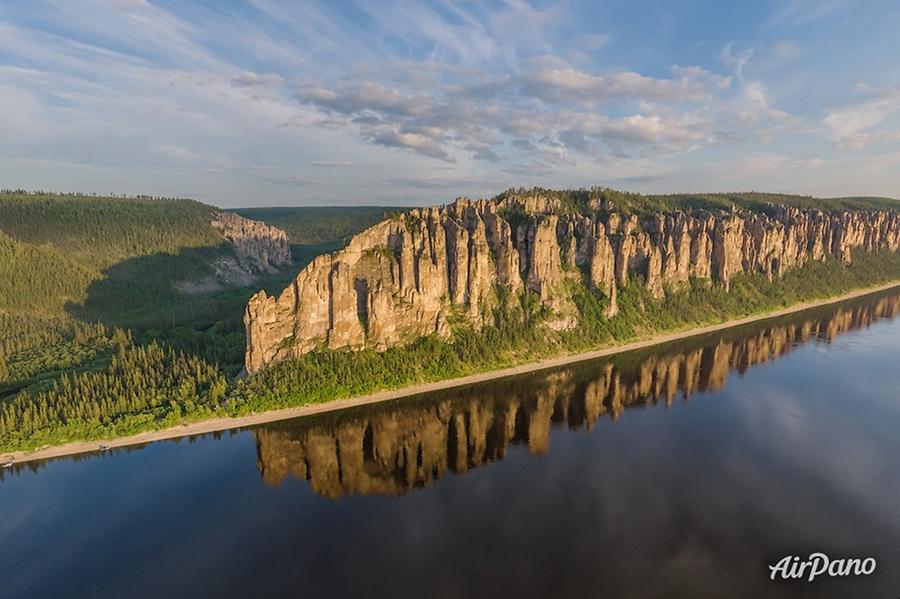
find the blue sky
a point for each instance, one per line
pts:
(303, 103)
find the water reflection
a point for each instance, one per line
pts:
(394, 448)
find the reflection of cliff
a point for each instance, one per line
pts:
(392, 449)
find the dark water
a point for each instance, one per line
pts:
(682, 471)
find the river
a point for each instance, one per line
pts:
(682, 470)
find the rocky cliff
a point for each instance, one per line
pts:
(395, 449)
(252, 249)
(411, 275)
(257, 246)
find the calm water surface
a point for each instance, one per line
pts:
(681, 471)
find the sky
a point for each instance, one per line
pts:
(278, 103)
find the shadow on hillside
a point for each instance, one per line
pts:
(146, 295)
(176, 300)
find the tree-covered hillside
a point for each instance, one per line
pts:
(101, 231)
(118, 266)
(85, 278)
(99, 336)
(587, 200)
(60, 252)
(40, 278)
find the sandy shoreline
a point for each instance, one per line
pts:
(220, 424)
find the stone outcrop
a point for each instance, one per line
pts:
(249, 250)
(397, 448)
(413, 274)
(257, 246)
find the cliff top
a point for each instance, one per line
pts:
(611, 200)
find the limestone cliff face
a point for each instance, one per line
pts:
(251, 249)
(258, 247)
(398, 448)
(410, 275)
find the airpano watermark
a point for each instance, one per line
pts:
(818, 564)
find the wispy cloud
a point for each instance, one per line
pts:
(856, 125)
(301, 93)
(802, 12)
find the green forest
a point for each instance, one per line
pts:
(97, 340)
(584, 200)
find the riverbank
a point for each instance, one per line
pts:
(226, 423)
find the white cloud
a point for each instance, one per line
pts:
(130, 89)
(550, 111)
(424, 144)
(852, 126)
(690, 84)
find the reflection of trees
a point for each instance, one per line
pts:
(394, 448)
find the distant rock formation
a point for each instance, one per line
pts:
(409, 275)
(397, 448)
(258, 247)
(253, 249)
